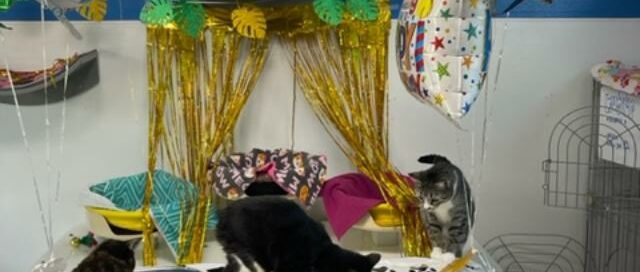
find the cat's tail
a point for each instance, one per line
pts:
(433, 159)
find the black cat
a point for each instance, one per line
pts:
(271, 233)
(109, 256)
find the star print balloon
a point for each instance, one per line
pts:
(442, 48)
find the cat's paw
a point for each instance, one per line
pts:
(436, 251)
(444, 257)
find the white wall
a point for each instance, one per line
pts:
(544, 75)
(103, 137)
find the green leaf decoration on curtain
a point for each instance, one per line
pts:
(5, 4)
(365, 10)
(190, 18)
(157, 12)
(249, 21)
(329, 11)
(95, 10)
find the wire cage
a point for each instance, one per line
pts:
(538, 252)
(593, 164)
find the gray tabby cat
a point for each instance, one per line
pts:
(446, 204)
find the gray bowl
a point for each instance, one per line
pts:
(83, 75)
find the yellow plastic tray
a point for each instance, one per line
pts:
(130, 220)
(384, 216)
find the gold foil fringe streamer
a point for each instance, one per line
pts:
(198, 88)
(343, 75)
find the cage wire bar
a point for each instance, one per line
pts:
(593, 165)
(519, 252)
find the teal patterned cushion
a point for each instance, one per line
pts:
(127, 192)
(169, 192)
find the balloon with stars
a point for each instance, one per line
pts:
(442, 49)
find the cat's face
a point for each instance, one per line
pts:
(435, 185)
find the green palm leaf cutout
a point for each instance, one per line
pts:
(249, 21)
(157, 12)
(94, 10)
(190, 18)
(329, 11)
(5, 4)
(365, 10)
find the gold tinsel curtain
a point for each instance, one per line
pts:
(343, 75)
(197, 89)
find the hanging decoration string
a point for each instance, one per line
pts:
(47, 123)
(63, 125)
(488, 111)
(294, 95)
(132, 90)
(25, 141)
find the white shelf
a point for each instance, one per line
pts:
(213, 256)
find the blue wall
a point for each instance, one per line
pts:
(30, 10)
(574, 8)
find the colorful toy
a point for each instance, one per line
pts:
(87, 240)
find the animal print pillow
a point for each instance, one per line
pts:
(298, 173)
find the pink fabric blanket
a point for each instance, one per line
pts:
(347, 198)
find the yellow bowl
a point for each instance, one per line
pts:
(130, 220)
(384, 216)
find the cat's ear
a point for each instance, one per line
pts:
(373, 258)
(433, 159)
(415, 175)
(133, 243)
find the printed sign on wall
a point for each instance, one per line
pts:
(619, 130)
